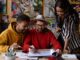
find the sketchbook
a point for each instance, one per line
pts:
(41, 52)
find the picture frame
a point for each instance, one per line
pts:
(76, 4)
(4, 6)
(48, 9)
(28, 6)
(74, 1)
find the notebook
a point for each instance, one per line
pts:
(41, 52)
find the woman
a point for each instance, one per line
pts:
(68, 25)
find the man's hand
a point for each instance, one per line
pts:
(15, 46)
(58, 51)
(32, 49)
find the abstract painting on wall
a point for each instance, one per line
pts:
(26, 6)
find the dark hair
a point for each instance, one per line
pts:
(65, 5)
(23, 17)
(67, 8)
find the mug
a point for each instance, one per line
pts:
(10, 57)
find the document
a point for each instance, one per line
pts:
(69, 56)
(23, 55)
(41, 52)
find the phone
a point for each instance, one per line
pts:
(55, 54)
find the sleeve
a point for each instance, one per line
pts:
(4, 48)
(54, 42)
(71, 27)
(26, 44)
(3, 41)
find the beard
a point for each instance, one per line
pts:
(39, 30)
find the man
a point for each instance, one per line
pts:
(13, 35)
(41, 38)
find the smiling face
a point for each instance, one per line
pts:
(40, 26)
(59, 11)
(21, 26)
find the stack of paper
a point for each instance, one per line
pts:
(41, 52)
(69, 57)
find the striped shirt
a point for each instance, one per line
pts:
(70, 31)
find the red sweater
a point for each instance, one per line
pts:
(40, 40)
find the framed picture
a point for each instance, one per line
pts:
(3, 6)
(48, 8)
(74, 1)
(75, 4)
(27, 6)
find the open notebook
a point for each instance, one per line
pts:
(41, 52)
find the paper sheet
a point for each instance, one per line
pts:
(20, 54)
(69, 56)
(42, 52)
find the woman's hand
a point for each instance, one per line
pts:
(58, 29)
(66, 51)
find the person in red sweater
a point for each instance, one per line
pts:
(41, 38)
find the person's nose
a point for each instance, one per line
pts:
(26, 28)
(39, 27)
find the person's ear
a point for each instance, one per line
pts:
(16, 23)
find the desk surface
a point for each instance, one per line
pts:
(64, 56)
(2, 57)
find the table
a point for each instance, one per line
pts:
(2, 57)
(64, 56)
